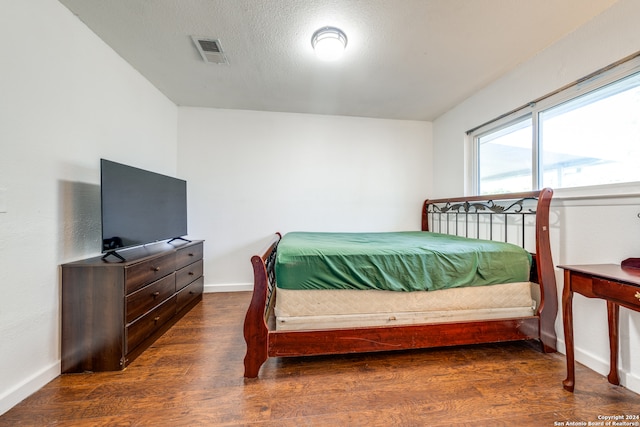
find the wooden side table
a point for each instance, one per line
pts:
(619, 286)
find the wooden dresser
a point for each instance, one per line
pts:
(113, 310)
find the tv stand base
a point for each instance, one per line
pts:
(115, 254)
(179, 238)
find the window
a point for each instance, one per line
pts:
(593, 139)
(504, 158)
(581, 136)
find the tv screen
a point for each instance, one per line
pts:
(139, 206)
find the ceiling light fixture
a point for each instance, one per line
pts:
(329, 43)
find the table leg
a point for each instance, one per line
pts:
(567, 320)
(613, 311)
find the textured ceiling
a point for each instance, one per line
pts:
(405, 59)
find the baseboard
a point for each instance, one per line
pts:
(17, 394)
(232, 287)
(595, 363)
(587, 359)
(630, 381)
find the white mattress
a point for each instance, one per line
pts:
(327, 309)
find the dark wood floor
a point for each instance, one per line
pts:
(192, 376)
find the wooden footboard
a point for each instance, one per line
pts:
(263, 342)
(256, 330)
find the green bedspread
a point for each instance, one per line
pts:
(399, 261)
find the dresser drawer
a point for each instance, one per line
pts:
(188, 255)
(188, 274)
(621, 293)
(143, 300)
(142, 273)
(149, 323)
(189, 293)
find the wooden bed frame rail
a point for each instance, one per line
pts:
(264, 341)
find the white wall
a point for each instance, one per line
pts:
(251, 174)
(591, 229)
(66, 101)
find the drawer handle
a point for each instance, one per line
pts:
(155, 319)
(191, 273)
(155, 294)
(638, 295)
(155, 268)
(190, 254)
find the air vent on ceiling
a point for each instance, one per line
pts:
(210, 50)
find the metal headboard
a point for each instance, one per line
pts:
(491, 219)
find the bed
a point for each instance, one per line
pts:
(323, 293)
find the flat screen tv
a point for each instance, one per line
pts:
(139, 207)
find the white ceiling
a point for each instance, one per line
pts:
(405, 59)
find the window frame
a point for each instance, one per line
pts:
(592, 82)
